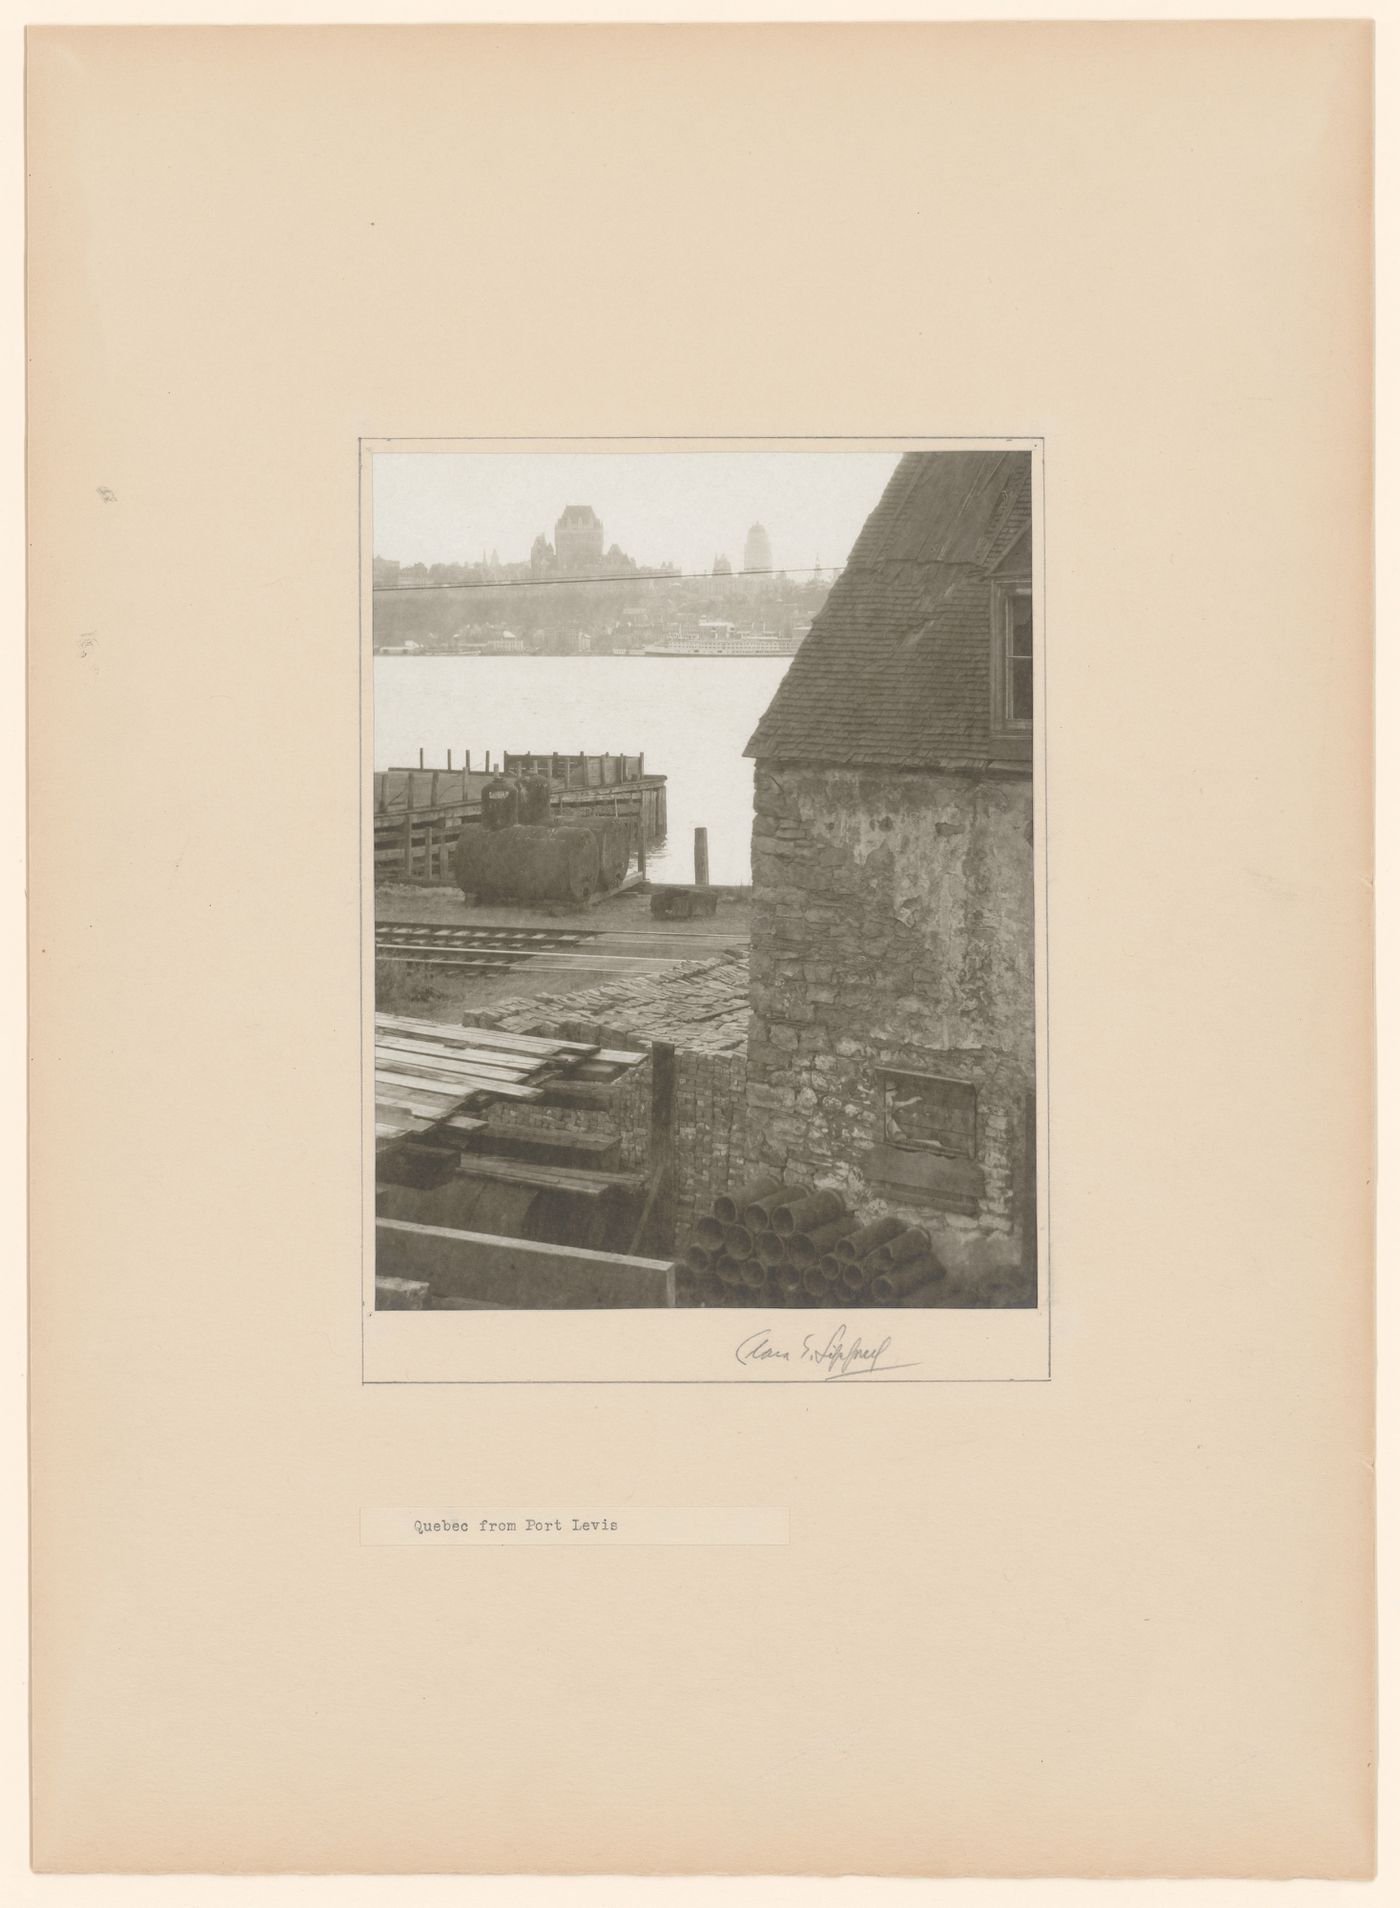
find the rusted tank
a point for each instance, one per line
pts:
(519, 863)
(614, 848)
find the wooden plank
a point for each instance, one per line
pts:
(529, 1172)
(446, 1069)
(428, 1090)
(400, 1050)
(471, 1035)
(525, 1043)
(401, 1100)
(442, 1079)
(400, 1114)
(518, 1273)
(562, 1137)
(462, 1088)
(397, 1125)
(501, 1057)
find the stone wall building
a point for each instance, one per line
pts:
(892, 1034)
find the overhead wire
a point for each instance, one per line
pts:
(573, 582)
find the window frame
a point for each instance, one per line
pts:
(1006, 728)
(886, 1076)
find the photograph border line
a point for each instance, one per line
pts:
(1041, 861)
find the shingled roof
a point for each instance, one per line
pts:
(896, 670)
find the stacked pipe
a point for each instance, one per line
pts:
(770, 1243)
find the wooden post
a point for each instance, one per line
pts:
(641, 766)
(642, 847)
(449, 761)
(466, 763)
(408, 841)
(702, 858)
(420, 759)
(433, 790)
(659, 1217)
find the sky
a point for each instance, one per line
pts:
(661, 506)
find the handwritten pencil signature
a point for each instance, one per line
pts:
(835, 1356)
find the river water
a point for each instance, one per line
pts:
(689, 715)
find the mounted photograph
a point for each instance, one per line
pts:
(701, 856)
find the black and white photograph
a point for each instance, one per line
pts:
(698, 739)
(704, 891)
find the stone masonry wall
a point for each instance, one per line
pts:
(894, 927)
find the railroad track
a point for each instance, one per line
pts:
(496, 950)
(520, 940)
(484, 950)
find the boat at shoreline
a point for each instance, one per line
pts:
(723, 640)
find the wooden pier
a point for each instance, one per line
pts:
(419, 812)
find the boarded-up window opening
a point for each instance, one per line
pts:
(930, 1115)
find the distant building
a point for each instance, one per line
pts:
(477, 642)
(892, 1037)
(758, 554)
(578, 538)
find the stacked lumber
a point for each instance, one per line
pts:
(438, 1079)
(771, 1243)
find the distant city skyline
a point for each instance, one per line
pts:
(658, 507)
